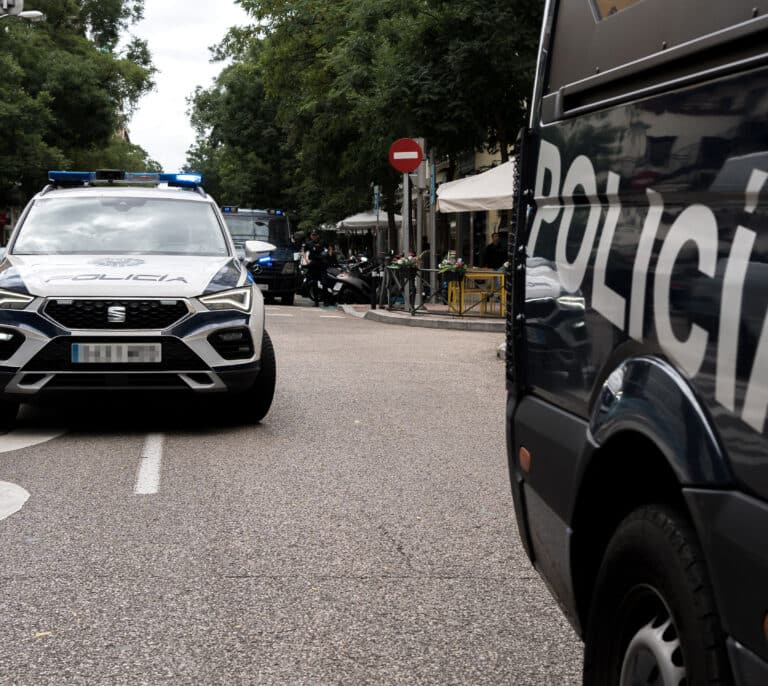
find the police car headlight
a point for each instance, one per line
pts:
(10, 300)
(236, 299)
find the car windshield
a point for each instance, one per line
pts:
(273, 229)
(120, 225)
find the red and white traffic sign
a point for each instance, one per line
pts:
(405, 155)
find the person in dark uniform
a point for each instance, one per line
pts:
(495, 254)
(315, 253)
(331, 258)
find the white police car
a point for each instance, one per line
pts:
(121, 281)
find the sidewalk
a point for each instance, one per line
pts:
(435, 317)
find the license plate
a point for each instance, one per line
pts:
(337, 286)
(263, 286)
(116, 353)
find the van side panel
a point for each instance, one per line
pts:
(649, 235)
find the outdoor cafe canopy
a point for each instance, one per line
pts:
(491, 190)
(364, 221)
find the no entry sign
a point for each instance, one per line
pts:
(405, 155)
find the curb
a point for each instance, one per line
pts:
(427, 321)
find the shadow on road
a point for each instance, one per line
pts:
(121, 414)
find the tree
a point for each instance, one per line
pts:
(345, 78)
(64, 94)
(240, 146)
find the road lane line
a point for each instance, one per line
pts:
(12, 497)
(24, 438)
(275, 314)
(148, 475)
(331, 316)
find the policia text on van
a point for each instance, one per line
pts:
(638, 336)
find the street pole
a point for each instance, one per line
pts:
(406, 230)
(421, 184)
(432, 227)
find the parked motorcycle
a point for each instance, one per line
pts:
(319, 290)
(357, 281)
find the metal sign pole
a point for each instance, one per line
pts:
(406, 230)
(432, 227)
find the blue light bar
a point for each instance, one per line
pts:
(182, 180)
(267, 259)
(71, 176)
(229, 209)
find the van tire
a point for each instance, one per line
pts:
(287, 299)
(653, 577)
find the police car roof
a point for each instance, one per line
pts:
(163, 192)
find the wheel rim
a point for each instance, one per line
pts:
(653, 656)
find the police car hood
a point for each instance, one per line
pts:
(116, 276)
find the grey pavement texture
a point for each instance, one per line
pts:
(362, 534)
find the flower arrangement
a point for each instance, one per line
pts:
(451, 264)
(409, 261)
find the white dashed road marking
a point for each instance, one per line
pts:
(148, 475)
(12, 497)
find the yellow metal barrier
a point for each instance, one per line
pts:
(480, 289)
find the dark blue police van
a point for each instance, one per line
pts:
(637, 344)
(276, 274)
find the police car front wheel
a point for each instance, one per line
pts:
(8, 411)
(653, 618)
(251, 406)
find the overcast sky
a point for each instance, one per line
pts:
(179, 33)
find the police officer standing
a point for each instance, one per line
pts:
(315, 256)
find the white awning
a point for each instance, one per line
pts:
(366, 220)
(491, 190)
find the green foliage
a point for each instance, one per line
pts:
(64, 94)
(330, 84)
(240, 149)
(118, 154)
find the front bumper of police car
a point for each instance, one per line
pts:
(204, 344)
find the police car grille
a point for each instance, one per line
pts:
(95, 314)
(57, 356)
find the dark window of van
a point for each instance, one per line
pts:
(606, 49)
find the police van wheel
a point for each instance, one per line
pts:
(653, 618)
(8, 411)
(252, 406)
(287, 299)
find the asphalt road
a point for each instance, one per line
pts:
(362, 534)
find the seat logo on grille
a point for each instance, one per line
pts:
(116, 314)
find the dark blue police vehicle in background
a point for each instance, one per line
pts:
(637, 349)
(277, 274)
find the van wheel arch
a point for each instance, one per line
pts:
(628, 472)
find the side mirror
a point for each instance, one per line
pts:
(256, 249)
